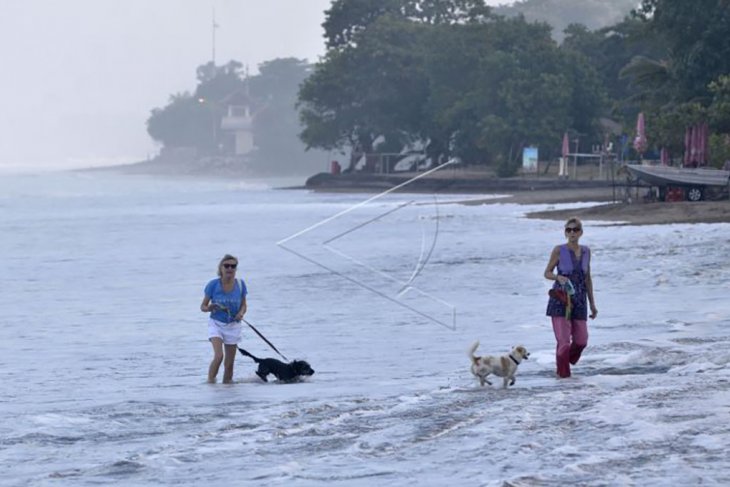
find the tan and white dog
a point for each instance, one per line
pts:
(504, 366)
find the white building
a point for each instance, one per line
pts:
(239, 120)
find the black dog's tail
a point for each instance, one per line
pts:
(244, 352)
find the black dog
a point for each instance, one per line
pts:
(282, 371)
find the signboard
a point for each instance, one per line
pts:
(529, 160)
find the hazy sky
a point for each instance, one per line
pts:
(80, 76)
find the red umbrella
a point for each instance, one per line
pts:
(640, 140)
(687, 146)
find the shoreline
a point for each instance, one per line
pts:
(607, 196)
(609, 206)
(606, 205)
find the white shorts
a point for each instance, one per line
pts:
(230, 333)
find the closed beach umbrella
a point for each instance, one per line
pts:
(687, 146)
(694, 144)
(698, 144)
(640, 140)
(702, 159)
(566, 145)
(664, 156)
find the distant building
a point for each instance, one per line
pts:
(239, 121)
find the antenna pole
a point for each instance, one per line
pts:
(214, 27)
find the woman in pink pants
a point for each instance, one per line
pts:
(567, 303)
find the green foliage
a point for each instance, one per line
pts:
(276, 124)
(184, 122)
(719, 109)
(696, 37)
(719, 149)
(448, 73)
(609, 50)
(346, 19)
(217, 82)
(194, 120)
(359, 93)
(560, 14)
(682, 83)
(666, 128)
(719, 115)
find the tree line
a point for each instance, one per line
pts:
(458, 78)
(464, 81)
(193, 119)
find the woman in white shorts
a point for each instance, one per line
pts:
(225, 300)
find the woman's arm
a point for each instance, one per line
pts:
(204, 306)
(550, 269)
(242, 309)
(589, 290)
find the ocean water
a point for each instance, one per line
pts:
(104, 354)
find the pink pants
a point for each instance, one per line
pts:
(572, 338)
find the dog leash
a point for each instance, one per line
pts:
(265, 339)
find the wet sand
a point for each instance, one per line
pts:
(634, 213)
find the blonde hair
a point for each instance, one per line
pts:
(225, 258)
(574, 219)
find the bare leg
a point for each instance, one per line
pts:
(228, 364)
(215, 364)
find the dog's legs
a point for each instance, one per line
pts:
(263, 372)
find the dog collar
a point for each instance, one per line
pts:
(514, 359)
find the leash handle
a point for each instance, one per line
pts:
(265, 339)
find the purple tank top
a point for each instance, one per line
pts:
(565, 263)
(566, 267)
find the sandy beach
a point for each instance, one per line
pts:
(637, 212)
(617, 203)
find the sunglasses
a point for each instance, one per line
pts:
(230, 266)
(573, 229)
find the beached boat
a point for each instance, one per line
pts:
(679, 176)
(692, 181)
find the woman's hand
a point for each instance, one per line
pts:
(239, 315)
(594, 311)
(562, 280)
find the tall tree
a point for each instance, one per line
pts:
(276, 123)
(476, 88)
(193, 120)
(347, 18)
(696, 35)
